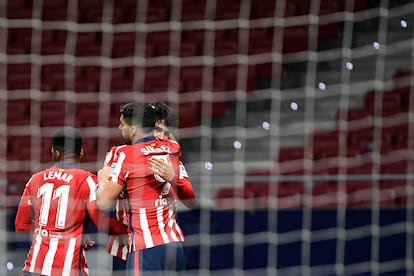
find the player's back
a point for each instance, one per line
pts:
(150, 199)
(59, 199)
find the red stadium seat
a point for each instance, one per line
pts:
(52, 113)
(53, 42)
(326, 150)
(353, 168)
(290, 194)
(353, 114)
(188, 49)
(194, 36)
(88, 44)
(19, 9)
(327, 194)
(123, 44)
(295, 39)
(160, 42)
(18, 112)
(189, 114)
(88, 73)
(268, 71)
(390, 103)
(228, 9)
(191, 78)
(224, 48)
(231, 73)
(122, 79)
(232, 198)
(16, 182)
(260, 41)
(54, 10)
(266, 8)
(18, 76)
(90, 11)
(157, 15)
(398, 134)
(45, 149)
(291, 153)
(404, 92)
(90, 149)
(156, 79)
(53, 77)
(359, 193)
(330, 30)
(193, 10)
(18, 147)
(365, 139)
(19, 41)
(87, 114)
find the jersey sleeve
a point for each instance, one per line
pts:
(185, 191)
(23, 221)
(111, 155)
(118, 172)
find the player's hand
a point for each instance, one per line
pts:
(162, 168)
(88, 243)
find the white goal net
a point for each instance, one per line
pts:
(295, 121)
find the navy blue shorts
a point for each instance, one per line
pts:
(158, 260)
(118, 266)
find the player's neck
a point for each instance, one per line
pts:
(138, 138)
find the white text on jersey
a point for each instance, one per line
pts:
(58, 175)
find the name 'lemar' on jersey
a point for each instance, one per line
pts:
(59, 174)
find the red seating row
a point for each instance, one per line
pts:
(54, 113)
(227, 42)
(20, 148)
(326, 144)
(326, 194)
(125, 11)
(57, 77)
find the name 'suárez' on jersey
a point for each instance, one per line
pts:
(148, 149)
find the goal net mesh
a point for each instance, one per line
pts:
(295, 121)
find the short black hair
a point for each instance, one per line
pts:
(68, 140)
(141, 114)
(165, 113)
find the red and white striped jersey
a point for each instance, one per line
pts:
(117, 245)
(150, 200)
(184, 189)
(61, 199)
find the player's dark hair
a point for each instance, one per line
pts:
(165, 113)
(141, 114)
(68, 140)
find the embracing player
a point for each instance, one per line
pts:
(155, 236)
(166, 120)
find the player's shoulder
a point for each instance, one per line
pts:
(173, 146)
(115, 149)
(82, 174)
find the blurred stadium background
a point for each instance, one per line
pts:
(295, 121)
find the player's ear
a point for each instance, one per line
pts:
(132, 130)
(81, 153)
(57, 155)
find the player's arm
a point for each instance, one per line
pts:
(23, 221)
(185, 193)
(108, 191)
(105, 223)
(101, 219)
